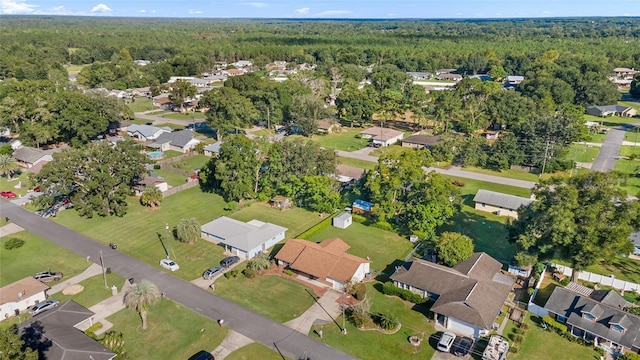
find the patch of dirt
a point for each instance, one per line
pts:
(73, 289)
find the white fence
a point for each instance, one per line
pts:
(599, 279)
(536, 309)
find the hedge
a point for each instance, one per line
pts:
(554, 325)
(390, 289)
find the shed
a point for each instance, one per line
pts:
(343, 220)
(362, 207)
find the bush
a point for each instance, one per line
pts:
(565, 281)
(249, 273)
(358, 218)
(386, 321)
(530, 291)
(515, 348)
(359, 291)
(554, 325)
(383, 225)
(289, 272)
(91, 331)
(458, 182)
(629, 356)
(156, 166)
(13, 243)
(231, 274)
(517, 338)
(390, 289)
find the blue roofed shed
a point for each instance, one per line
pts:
(362, 207)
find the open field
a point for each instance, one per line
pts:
(141, 104)
(94, 290)
(511, 174)
(173, 179)
(174, 332)
(297, 220)
(194, 162)
(345, 140)
(37, 254)
(362, 164)
(582, 153)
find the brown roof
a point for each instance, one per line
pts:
(325, 260)
(383, 134)
(325, 124)
(27, 287)
(350, 171)
(421, 140)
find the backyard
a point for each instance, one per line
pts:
(297, 220)
(140, 105)
(94, 290)
(345, 140)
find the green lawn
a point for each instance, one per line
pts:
(375, 345)
(94, 290)
(71, 68)
(472, 186)
(383, 247)
(10, 185)
(345, 140)
(632, 135)
(389, 150)
(254, 351)
(297, 220)
(187, 116)
(511, 174)
(263, 132)
(171, 126)
(582, 153)
(546, 289)
(136, 232)
(173, 179)
(357, 163)
(141, 104)
(596, 138)
(275, 297)
(174, 332)
(37, 254)
(539, 344)
(194, 162)
(628, 166)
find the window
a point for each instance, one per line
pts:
(588, 316)
(561, 319)
(617, 328)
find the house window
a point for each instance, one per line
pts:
(588, 316)
(561, 319)
(617, 328)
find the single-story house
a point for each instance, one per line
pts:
(150, 180)
(29, 157)
(246, 240)
(162, 101)
(499, 203)
(382, 136)
(326, 262)
(118, 127)
(420, 141)
(345, 174)
(146, 132)
(419, 75)
(21, 295)
(483, 77)
(327, 126)
(445, 71)
(183, 141)
(624, 73)
(212, 149)
(55, 334)
(514, 79)
(361, 207)
(343, 220)
(611, 110)
(597, 316)
(468, 297)
(452, 77)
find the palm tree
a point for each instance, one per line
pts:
(151, 196)
(188, 230)
(140, 297)
(7, 163)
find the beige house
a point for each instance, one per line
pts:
(21, 295)
(499, 203)
(382, 136)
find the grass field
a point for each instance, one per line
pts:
(383, 247)
(628, 166)
(297, 220)
(582, 153)
(388, 150)
(37, 254)
(10, 185)
(511, 174)
(546, 289)
(171, 126)
(254, 351)
(171, 178)
(94, 290)
(472, 186)
(345, 140)
(194, 162)
(362, 164)
(141, 104)
(174, 332)
(375, 345)
(187, 116)
(273, 296)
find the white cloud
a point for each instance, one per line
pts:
(11, 7)
(302, 11)
(142, 11)
(152, 11)
(254, 4)
(194, 12)
(101, 8)
(547, 12)
(335, 12)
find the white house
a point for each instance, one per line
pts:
(29, 157)
(382, 136)
(499, 203)
(343, 220)
(326, 262)
(146, 132)
(21, 295)
(246, 240)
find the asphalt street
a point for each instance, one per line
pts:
(609, 151)
(272, 334)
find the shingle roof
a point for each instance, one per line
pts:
(349, 171)
(28, 154)
(504, 201)
(26, 287)
(145, 130)
(379, 133)
(177, 138)
(325, 260)
(243, 236)
(609, 108)
(421, 140)
(571, 305)
(214, 147)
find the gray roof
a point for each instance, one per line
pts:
(473, 291)
(515, 78)
(177, 138)
(421, 140)
(504, 201)
(28, 154)
(343, 216)
(609, 108)
(607, 305)
(53, 333)
(243, 236)
(145, 130)
(215, 148)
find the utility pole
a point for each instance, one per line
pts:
(544, 161)
(575, 152)
(166, 232)
(344, 328)
(104, 274)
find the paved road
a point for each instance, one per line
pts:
(451, 171)
(609, 151)
(276, 336)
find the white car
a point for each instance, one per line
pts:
(446, 341)
(169, 264)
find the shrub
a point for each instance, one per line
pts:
(249, 273)
(156, 166)
(359, 314)
(390, 289)
(530, 291)
(231, 274)
(515, 348)
(383, 225)
(565, 281)
(13, 243)
(629, 356)
(91, 331)
(386, 321)
(359, 291)
(524, 327)
(554, 325)
(289, 272)
(517, 338)
(358, 218)
(458, 182)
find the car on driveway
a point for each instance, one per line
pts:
(47, 276)
(202, 355)
(169, 264)
(43, 306)
(212, 272)
(8, 194)
(462, 346)
(446, 341)
(226, 262)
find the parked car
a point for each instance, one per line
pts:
(8, 194)
(36, 189)
(462, 346)
(43, 306)
(212, 272)
(46, 276)
(202, 355)
(169, 264)
(446, 341)
(226, 262)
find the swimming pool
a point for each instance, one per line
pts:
(155, 154)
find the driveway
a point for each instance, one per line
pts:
(609, 151)
(272, 334)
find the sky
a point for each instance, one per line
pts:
(344, 9)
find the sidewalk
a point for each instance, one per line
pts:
(9, 229)
(108, 307)
(91, 271)
(325, 309)
(231, 343)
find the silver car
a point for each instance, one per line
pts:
(212, 272)
(43, 306)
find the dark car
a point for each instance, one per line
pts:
(226, 262)
(212, 272)
(462, 346)
(202, 355)
(46, 276)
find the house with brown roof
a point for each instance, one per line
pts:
(420, 141)
(20, 295)
(326, 262)
(382, 136)
(327, 126)
(467, 297)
